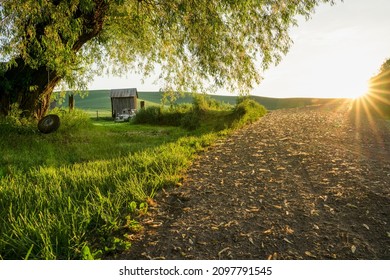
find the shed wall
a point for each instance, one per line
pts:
(118, 104)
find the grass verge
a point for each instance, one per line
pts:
(78, 193)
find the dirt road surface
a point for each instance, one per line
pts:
(305, 183)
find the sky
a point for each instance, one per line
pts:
(333, 55)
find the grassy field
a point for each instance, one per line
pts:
(78, 193)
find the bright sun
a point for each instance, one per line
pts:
(351, 90)
(341, 84)
(357, 90)
(358, 94)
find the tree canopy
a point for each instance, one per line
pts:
(222, 42)
(379, 90)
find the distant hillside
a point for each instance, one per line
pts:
(100, 100)
(279, 103)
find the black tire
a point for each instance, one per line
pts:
(49, 124)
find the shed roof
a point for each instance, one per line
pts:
(124, 92)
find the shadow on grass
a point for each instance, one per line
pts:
(74, 193)
(78, 189)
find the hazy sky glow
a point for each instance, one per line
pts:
(333, 55)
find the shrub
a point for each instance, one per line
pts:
(173, 116)
(150, 115)
(247, 111)
(15, 121)
(191, 120)
(202, 110)
(202, 103)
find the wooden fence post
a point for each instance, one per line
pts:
(71, 102)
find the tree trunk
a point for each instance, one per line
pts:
(32, 88)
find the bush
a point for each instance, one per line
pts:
(202, 103)
(150, 115)
(159, 116)
(191, 116)
(180, 115)
(247, 111)
(15, 121)
(174, 115)
(191, 120)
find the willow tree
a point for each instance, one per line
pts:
(378, 98)
(380, 83)
(218, 42)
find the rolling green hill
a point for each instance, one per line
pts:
(100, 100)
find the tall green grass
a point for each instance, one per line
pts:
(58, 211)
(189, 116)
(60, 202)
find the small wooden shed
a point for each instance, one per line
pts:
(123, 100)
